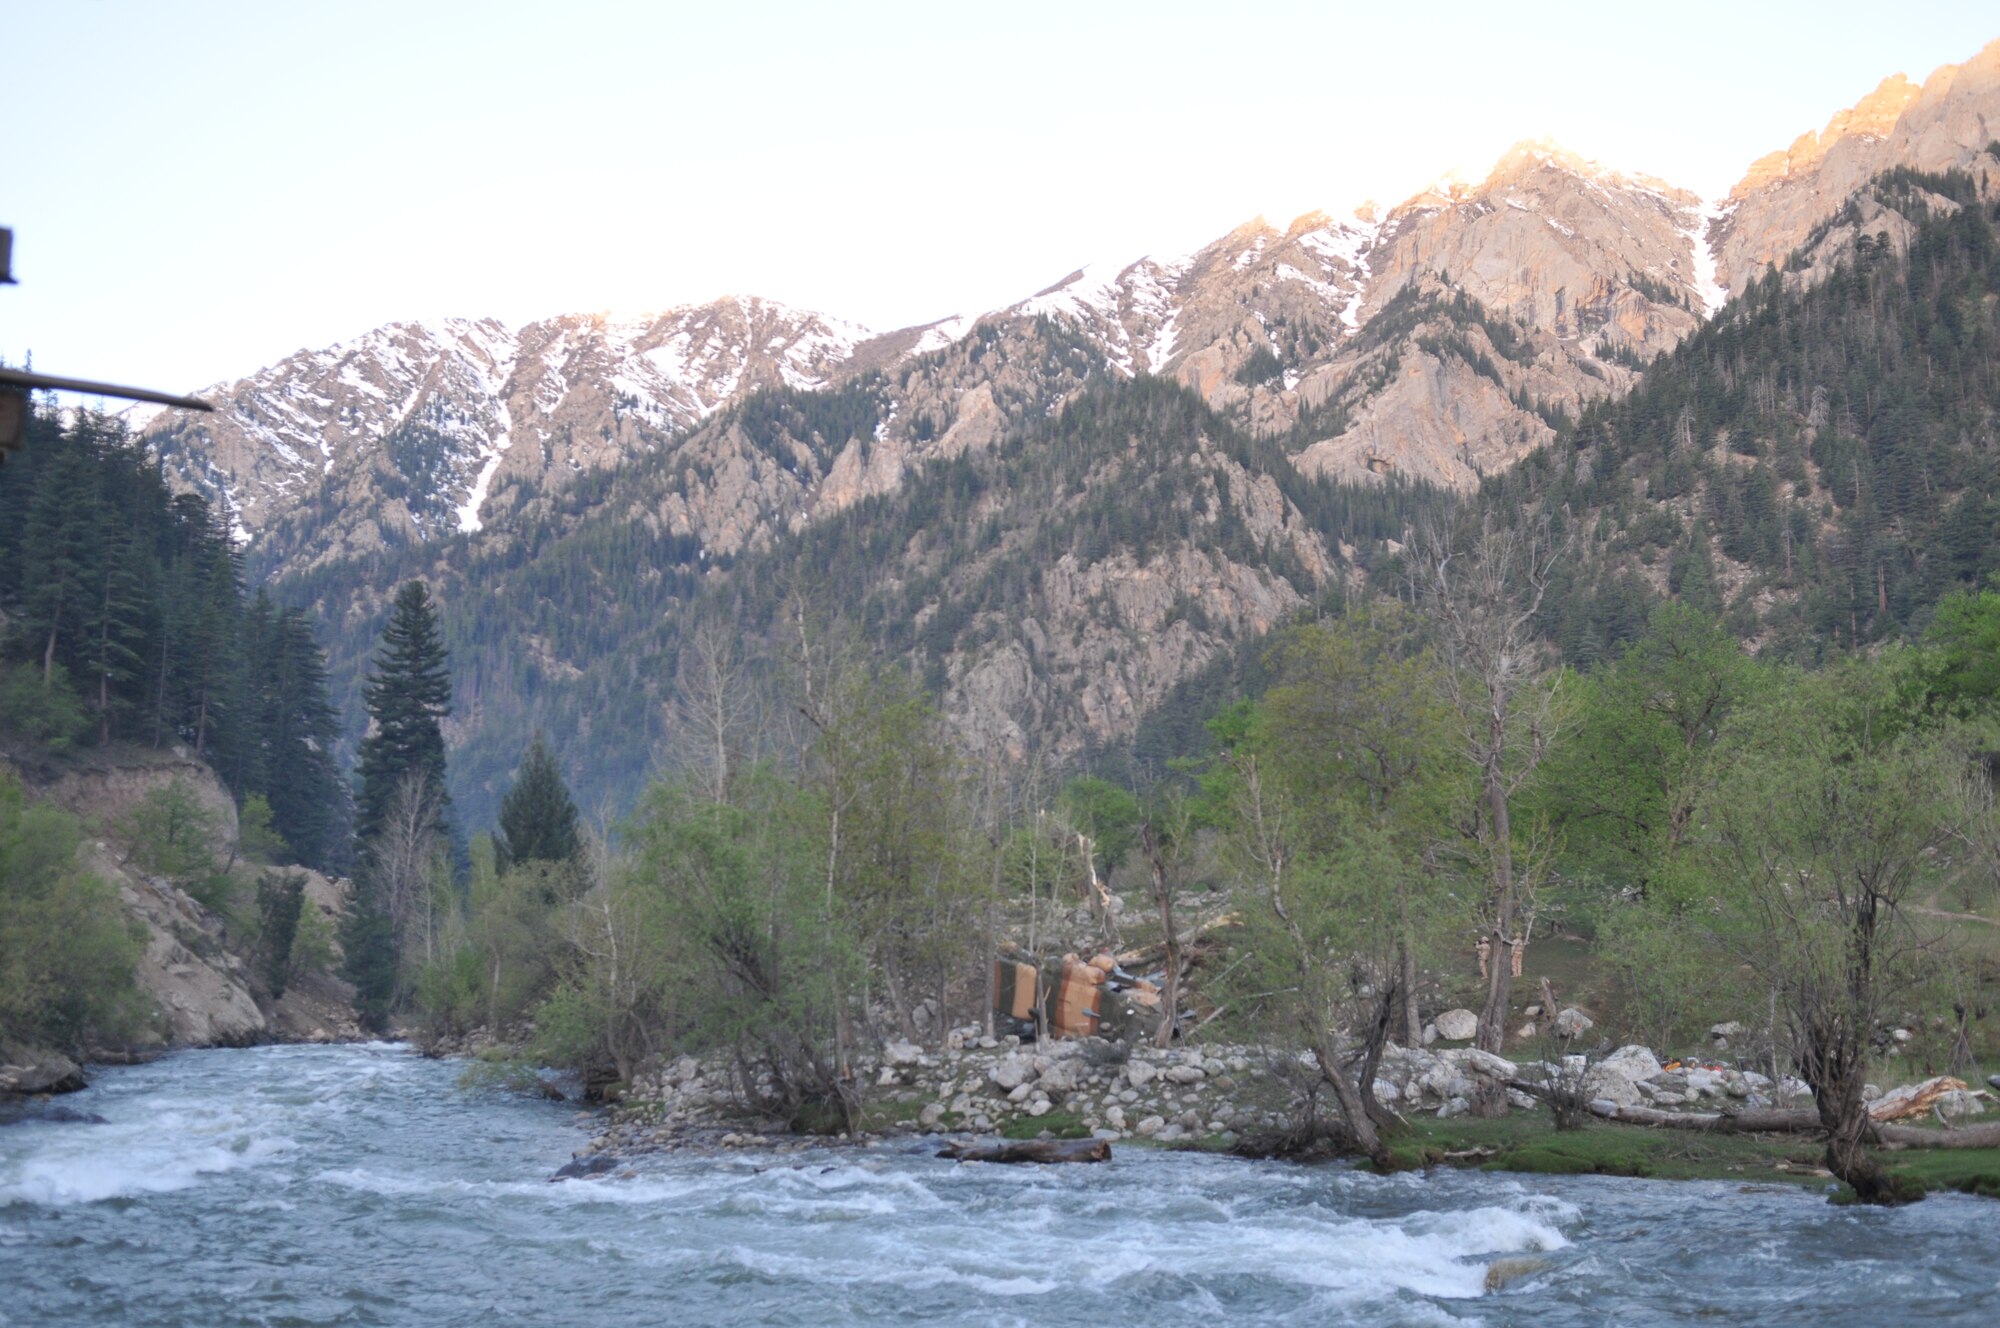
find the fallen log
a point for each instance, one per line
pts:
(1963, 1136)
(1748, 1121)
(1777, 1122)
(1031, 1150)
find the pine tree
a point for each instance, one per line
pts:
(408, 697)
(538, 820)
(289, 757)
(401, 764)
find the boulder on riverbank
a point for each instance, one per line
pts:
(27, 1071)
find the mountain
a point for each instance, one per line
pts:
(415, 431)
(1059, 512)
(1820, 464)
(409, 432)
(1944, 125)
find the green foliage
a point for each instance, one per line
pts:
(537, 817)
(1106, 813)
(1960, 672)
(256, 837)
(1673, 979)
(109, 578)
(1261, 366)
(408, 697)
(66, 958)
(312, 943)
(369, 957)
(45, 712)
(171, 833)
(280, 897)
(1624, 789)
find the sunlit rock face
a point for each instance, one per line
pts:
(1948, 123)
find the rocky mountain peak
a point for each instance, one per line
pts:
(1874, 116)
(1947, 124)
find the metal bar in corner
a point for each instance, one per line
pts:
(16, 378)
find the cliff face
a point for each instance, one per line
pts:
(416, 431)
(1945, 124)
(196, 969)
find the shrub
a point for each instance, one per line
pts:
(47, 714)
(66, 952)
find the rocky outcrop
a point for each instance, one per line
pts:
(26, 1071)
(1946, 124)
(194, 969)
(416, 431)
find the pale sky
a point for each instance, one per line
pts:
(198, 190)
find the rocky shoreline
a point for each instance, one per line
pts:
(1225, 1097)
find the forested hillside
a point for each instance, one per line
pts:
(126, 621)
(1051, 589)
(1819, 464)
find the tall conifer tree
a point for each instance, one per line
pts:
(538, 816)
(408, 697)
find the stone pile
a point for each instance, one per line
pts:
(1117, 1091)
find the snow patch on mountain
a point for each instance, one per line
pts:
(1706, 283)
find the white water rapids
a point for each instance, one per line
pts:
(363, 1185)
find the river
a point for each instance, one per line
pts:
(364, 1185)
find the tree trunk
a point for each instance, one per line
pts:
(1366, 1136)
(1413, 1025)
(1170, 991)
(1032, 1150)
(1500, 973)
(1371, 1060)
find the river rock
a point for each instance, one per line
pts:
(1573, 1023)
(1475, 1061)
(28, 1070)
(902, 1053)
(1011, 1071)
(1184, 1074)
(1457, 1025)
(1139, 1074)
(1959, 1102)
(596, 1164)
(1152, 1125)
(1617, 1077)
(1502, 1272)
(1610, 1086)
(1632, 1061)
(1062, 1076)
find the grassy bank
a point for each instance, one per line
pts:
(1526, 1143)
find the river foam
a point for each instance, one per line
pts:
(363, 1184)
